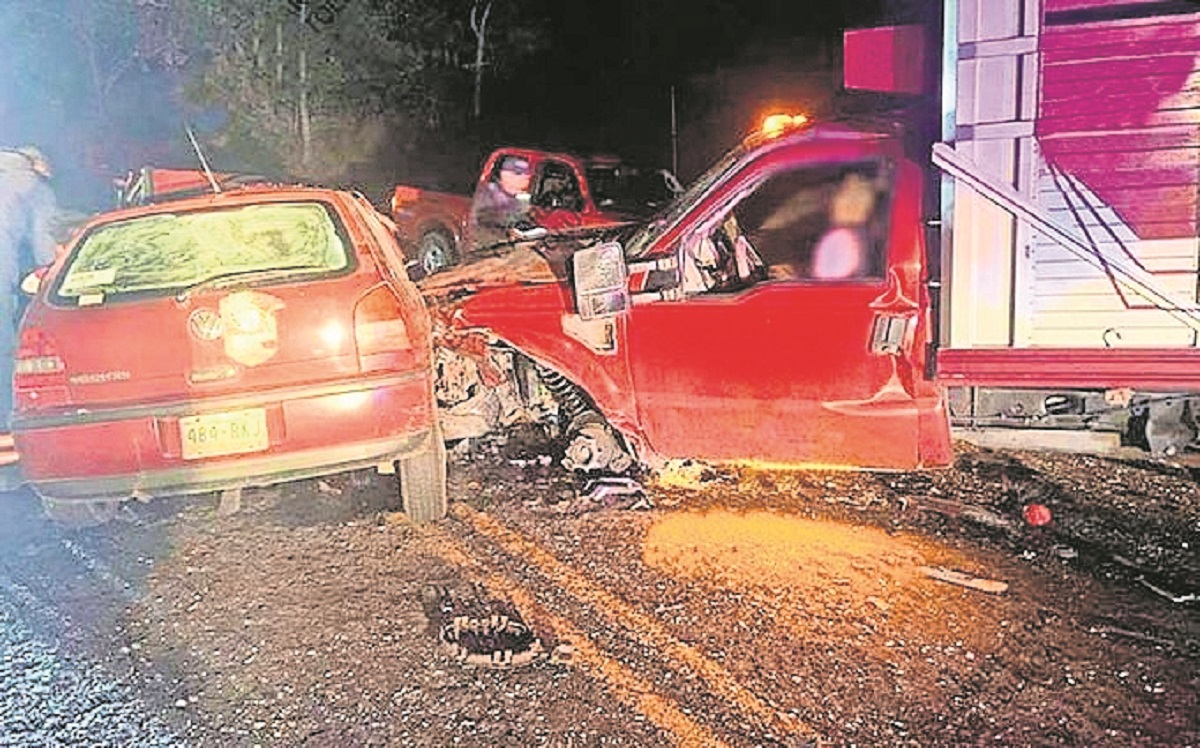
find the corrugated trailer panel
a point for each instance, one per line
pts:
(1164, 256)
(1119, 131)
(1162, 211)
(1138, 329)
(1082, 315)
(993, 111)
(1148, 141)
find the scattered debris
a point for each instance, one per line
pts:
(231, 502)
(563, 654)
(598, 494)
(496, 641)
(326, 487)
(1113, 631)
(1188, 598)
(480, 632)
(964, 580)
(684, 474)
(394, 519)
(776, 615)
(1026, 486)
(865, 502)
(617, 492)
(538, 461)
(1037, 515)
(968, 512)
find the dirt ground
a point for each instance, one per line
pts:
(744, 608)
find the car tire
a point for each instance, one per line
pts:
(423, 481)
(435, 251)
(80, 513)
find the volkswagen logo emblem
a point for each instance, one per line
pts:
(205, 324)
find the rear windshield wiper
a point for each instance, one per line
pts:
(241, 276)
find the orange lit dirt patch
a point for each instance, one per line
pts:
(781, 552)
(813, 574)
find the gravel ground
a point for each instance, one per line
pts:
(49, 695)
(744, 608)
(48, 699)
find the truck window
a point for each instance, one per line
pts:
(823, 223)
(720, 259)
(818, 223)
(557, 188)
(627, 188)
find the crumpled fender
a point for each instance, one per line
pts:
(522, 300)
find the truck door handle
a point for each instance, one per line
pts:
(895, 321)
(891, 334)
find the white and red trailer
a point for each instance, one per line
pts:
(1066, 262)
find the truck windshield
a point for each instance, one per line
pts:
(627, 188)
(683, 204)
(161, 253)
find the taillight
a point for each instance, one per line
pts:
(380, 332)
(403, 196)
(39, 374)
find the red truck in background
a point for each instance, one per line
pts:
(567, 191)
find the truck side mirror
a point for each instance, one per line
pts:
(600, 281)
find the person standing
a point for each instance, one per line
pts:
(27, 212)
(501, 205)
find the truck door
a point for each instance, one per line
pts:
(790, 331)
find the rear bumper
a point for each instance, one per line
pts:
(136, 451)
(244, 472)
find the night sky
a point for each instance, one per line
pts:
(604, 82)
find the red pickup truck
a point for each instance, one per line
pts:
(567, 191)
(1033, 276)
(716, 330)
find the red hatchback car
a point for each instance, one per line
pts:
(234, 339)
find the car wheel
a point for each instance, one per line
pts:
(80, 513)
(423, 481)
(435, 252)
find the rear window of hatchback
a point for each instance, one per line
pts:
(165, 254)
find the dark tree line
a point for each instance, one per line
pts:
(298, 86)
(321, 87)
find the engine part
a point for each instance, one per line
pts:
(594, 446)
(1170, 426)
(612, 491)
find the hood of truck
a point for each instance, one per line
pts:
(524, 264)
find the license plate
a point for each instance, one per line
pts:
(215, 434)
